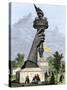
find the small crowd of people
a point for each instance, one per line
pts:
(36, 79)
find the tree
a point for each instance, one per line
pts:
(13, 64)
(20, 59)
(57, 63)
(18, 62)
(57, 60)
(62, 66)
(50, 62)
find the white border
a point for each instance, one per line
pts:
(4, 54)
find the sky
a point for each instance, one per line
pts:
(54, 13)
(56, 20)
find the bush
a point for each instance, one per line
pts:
(52, 79)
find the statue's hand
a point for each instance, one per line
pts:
(39, 38)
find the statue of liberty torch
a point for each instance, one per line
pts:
(40, 23)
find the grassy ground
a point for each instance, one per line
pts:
(13, 77)
(15, 84)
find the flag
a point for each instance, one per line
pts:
(46, 49)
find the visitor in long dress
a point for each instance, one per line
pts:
(36, 79)
(27, 81)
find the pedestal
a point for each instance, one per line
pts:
(31, 72)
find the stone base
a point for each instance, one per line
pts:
(31, 72)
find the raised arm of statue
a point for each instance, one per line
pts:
(32, 57)
(39, 38)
